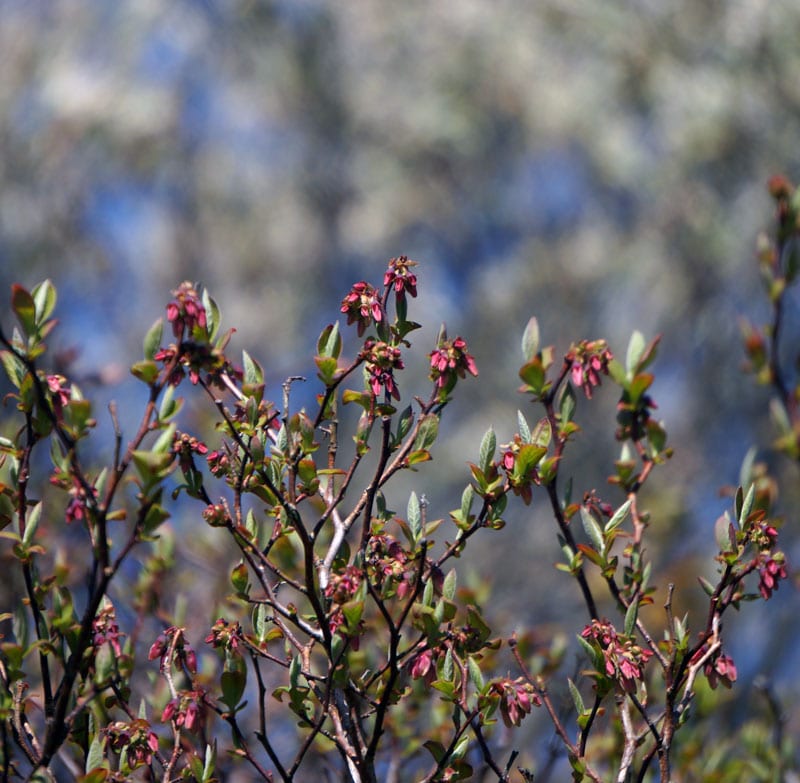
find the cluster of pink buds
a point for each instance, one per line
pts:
(624, 659)
(184, 446)
(136, 738)
(400, 277)
(770, 572)
(105, 630)
(388, 562)
(450, 360)
(382, 360)
(423, 665)
(517, 698)
(76, 510)
(60, 394)
(589, 360)
(225, 635)
(363, 306)
(186, 310)
(171, 647)
(186, 709)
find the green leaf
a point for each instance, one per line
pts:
(577, 699)
(95, 758)
(488, 446)
(232, 684)
(636, 347)
(618, 518)
(593, 530)
(724, 534)
(23, 305)
(213, 319)
(747, 504)
(475, 673)
(542, 433)
(253, 374)
(524, 429)
(31, 523)
(449, 585)
(152, 340)
(414, 517)
(146, 371)
(467, 497)
(44, 298)
(630, 617)
(567, 404)
(530, 340)
(330, 341)
(436, 749)
(427, 431)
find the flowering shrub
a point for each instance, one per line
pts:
(346, 617)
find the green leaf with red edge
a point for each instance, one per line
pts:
(420, 455)
(526, 460)
(25, 309)
(360, 398)
(327, 367)
(591, 554)
(639, 385)
(534, 375)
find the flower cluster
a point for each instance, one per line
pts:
(186, 709)
(517, 698)
(400, 277)
(423, 665)
(449, 361)
(624, 659)
(171, 647)
(382, 360)
(60, 394)
(225, 635)
(771, 570)
(341, 589)
(105, 629)
(387, 563)
(136, 738)
(186, 311)
(363, 306)
(184, 446)
(589, 359)
(219, 463)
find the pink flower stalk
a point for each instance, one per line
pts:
(589, 360)
(382, 360)
(400, 277)
(106, 631)
(186, 709)
(517, 698)
(362, 306)
(136, 738)
(624, 659)
(225, 635)
(60, 394)
(450, 360)
(186, 310)
(721, 669)
(772, 570)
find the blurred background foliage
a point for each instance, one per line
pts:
(598, 164)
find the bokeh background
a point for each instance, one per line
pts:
(600, 165)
